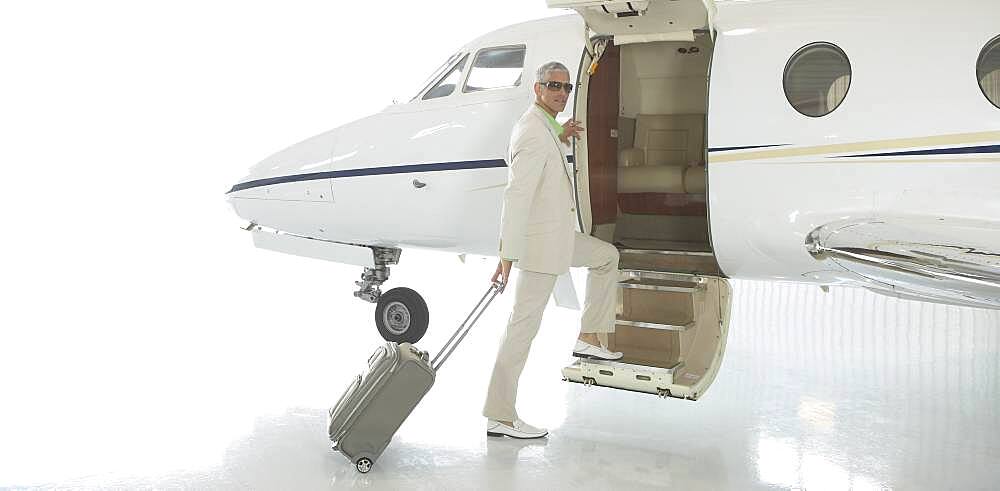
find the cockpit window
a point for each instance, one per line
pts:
(437, 73)
(448, 83)
(496, 68)
(988, 71)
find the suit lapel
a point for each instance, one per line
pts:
(555, 139)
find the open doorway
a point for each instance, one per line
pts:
(642, 177)
(646, 116)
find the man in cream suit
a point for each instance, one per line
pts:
(538, 234)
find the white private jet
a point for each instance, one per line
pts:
(850, 143)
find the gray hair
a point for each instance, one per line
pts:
(552, 66)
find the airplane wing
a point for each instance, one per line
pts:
(930, 258)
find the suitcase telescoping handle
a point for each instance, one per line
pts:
(466, 326)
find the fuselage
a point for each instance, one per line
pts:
(914, 141)
(914, 136)
(455, 145)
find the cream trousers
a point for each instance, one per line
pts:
(530, 297)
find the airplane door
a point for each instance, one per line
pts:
(643, 20)
(673, 307)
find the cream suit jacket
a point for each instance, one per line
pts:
(538, 220)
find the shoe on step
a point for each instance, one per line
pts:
(520, 430)
(587, 350)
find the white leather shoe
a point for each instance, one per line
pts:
(587, 350)
(520, 430)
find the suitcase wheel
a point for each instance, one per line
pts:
(364, 464)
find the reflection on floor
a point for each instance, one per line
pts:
(845, 390)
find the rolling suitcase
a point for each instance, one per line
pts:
(378, 400)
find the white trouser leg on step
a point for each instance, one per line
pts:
(601, 260)
(531, 294)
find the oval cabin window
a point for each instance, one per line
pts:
(817, 78)
(988, 71)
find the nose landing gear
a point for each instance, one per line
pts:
(400, 314)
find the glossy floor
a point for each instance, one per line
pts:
(843, 390)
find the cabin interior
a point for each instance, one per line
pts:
(646, 122)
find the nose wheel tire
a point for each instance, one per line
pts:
(364, 465)
(401, 316)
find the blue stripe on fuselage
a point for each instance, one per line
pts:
(372, 171)
(375, 171)
(728, 149)
(933, 151)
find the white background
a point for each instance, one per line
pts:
(124, 272)
(141, 334)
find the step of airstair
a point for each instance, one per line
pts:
(676, 261)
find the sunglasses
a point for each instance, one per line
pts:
(568, 87)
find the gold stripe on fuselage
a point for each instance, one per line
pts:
(873, 146)
(892, 160)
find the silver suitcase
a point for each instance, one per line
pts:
(378, 400)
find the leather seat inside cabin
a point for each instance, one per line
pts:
(664, 172)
